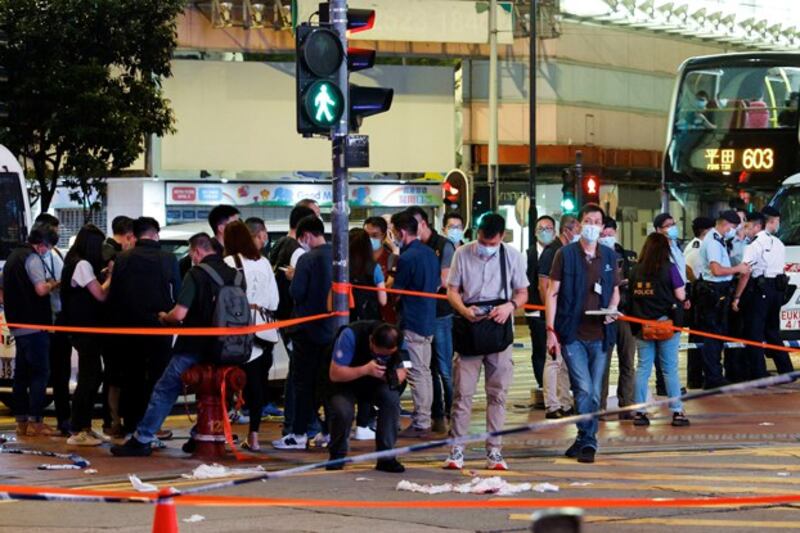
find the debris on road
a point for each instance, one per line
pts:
(90, 471)
(58, 467)
(194, 518)
(492, 485)
(214, 471)
(140, 485)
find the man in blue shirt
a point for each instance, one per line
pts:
(713, 293)
(364, 356)
(417, 270)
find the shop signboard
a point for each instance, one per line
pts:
(288, 194)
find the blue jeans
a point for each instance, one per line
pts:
(31, 372)
(586, 361)
(668, 356)
(165, 394)
(442, 367)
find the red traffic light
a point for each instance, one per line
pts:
(591, 185)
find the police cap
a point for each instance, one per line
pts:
(730, 216)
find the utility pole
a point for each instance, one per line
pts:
(339, 215)
(491, 176)
(533, 213)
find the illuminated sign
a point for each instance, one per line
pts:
(734, 159)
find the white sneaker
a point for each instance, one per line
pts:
(320, 440)
(236, 417)
(494, 460)
(363, 433)
(100, 435)
(290, 442)
(84, 438)
(455, 461)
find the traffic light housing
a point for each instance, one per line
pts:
(569, 204)
(364, 101)
(590, 189)
(319, 100)
(456, 194)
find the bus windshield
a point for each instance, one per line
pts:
(12, 214)
(787, 201)
(738, 98)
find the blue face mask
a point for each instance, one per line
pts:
(672, 233)
(730, 234)
(608, 241)
(590, 233)
(701, 103)
(455, 235)
(376, 244)
(546, 236)
(576, 238)
(487, 251)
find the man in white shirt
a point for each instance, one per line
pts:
(760, 293)
(694, 270)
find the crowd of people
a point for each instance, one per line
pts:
(452, 319)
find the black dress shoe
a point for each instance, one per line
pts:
(554, 415)
(586, 455)
(335, 466)
(567, 412)
(189, 446)
(573, 450)
(132, 448)
(392, 466)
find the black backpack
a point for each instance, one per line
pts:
(231, 310)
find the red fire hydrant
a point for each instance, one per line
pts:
(206, 382)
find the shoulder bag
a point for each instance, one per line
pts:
(484, 336)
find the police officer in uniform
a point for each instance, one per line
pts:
(713, 293)
(760, 294)
(694, 272)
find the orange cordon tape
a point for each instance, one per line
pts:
(105, 496)
(626, 318)
(209, 332)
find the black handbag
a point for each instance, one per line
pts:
(484, 336)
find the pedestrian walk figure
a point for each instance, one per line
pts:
(323, 102)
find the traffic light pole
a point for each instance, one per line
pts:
(533, 214)
(339, 215)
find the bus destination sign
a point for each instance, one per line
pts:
(734, 159)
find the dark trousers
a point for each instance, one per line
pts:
(538, 331)
(712, 318)
(90, 377)
(31, 372)
(309, 361)
(60, 372)
(694, 356)
(442, 367)
(626, 357)
(144, 359)
(342, 406)
(254, 387)
(772, 330)
(735, 358)
(754, 301)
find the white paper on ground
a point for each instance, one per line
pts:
(140, 485)
(580, 483)
(545, 487)
(491, 485)
(194, 518)
(90, 471)
(363, 479)
(766, 424)
(215, 470)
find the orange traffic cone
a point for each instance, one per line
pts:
(166, 519)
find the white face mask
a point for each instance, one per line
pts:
(590, 233)
(609, 241)
(487, 251)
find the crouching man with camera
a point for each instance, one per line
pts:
(368, 361)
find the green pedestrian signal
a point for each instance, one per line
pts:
(323, 103)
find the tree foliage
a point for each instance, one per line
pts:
(84, 86)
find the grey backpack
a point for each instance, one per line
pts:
(231, 310)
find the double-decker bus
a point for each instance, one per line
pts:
(733, 132)
(733, 128)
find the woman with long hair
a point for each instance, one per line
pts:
(242, 254)
(364, 270)
(658, 294)
(81, 296)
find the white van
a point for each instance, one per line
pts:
(787, 201)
